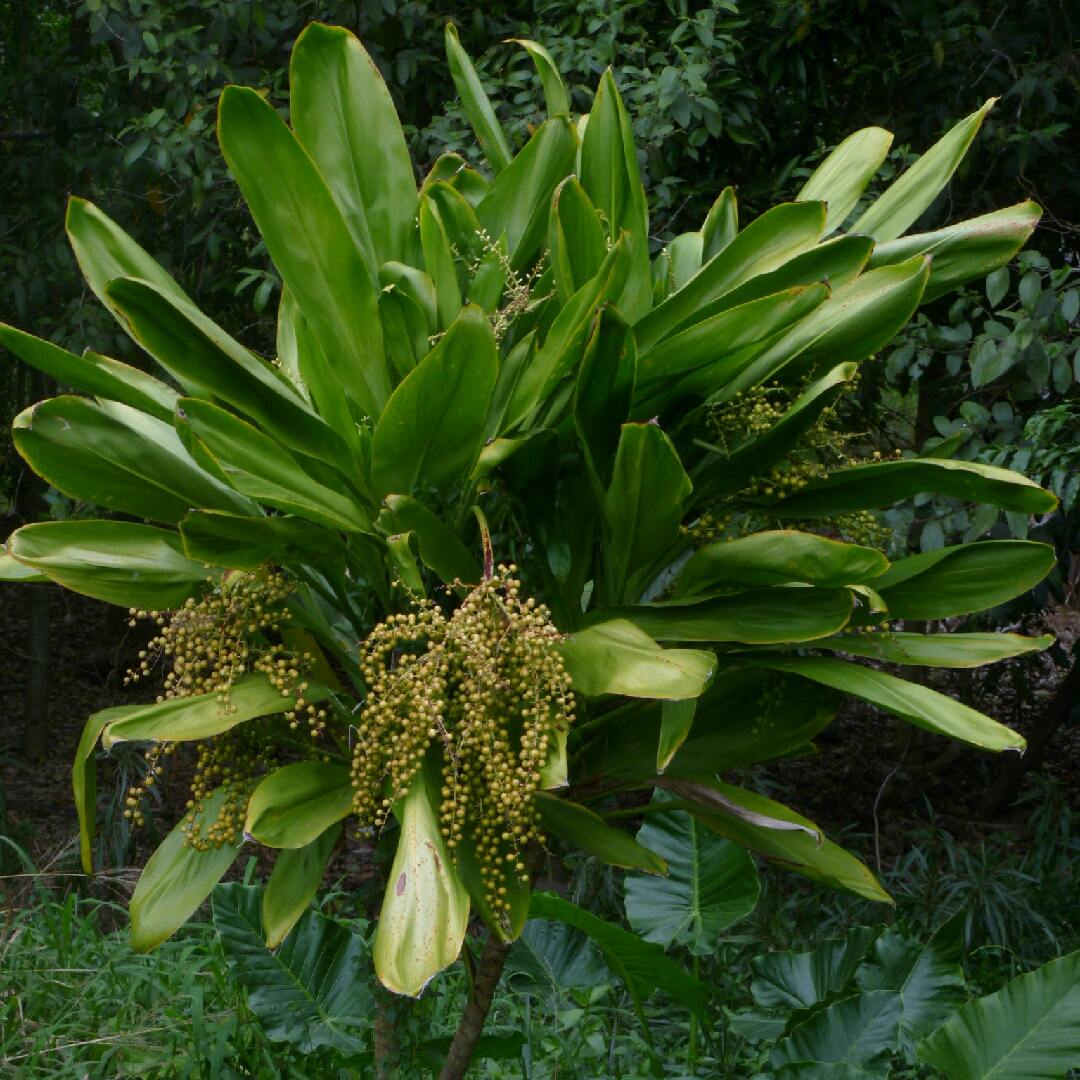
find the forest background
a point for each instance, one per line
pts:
(115, 100)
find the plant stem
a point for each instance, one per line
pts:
(475, 1013)
(691, 1055)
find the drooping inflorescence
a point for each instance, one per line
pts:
(488, 689)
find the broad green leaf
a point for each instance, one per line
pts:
(296, 804)
(14, 571)
(918, 705)
(957, 580)
(476, 104)
(254, 388)
(401, 554)
(93, 374)
(554, 956)
(244, 543)
(793, 980)
(575, 238)
(455, 170)
(309, 241)
(344, 117)
(118, 458)
(965, 251)
(299, 349)
(263, 470)
(676, 719)
(558, 101)
(766, 244)
(1029, 1030)
(929, 978)
(314, 989)
(883, 483)
(799, 850)
(417, 285)
(711, 883)
(642, 507)
(120, 562)
(936, 650)
(105, 252)
(192, 719)
(405, 330)
(617, 658)
(84, 780)
(581, 828)
(746, 716)
(604, 391)
(729, 332)
(426, 907)
(852, 324)
(440, 548)
(906, 199)
(721, 225)
(565, 343)
(294, 881)
(835, 262)
(776, 558)
(432, 427)
(440, 263)
(842, 177)
(458, 219)
(727, 474)
(756, 616)
(518, 202)
(855, 1031)
(641, 965)
(610, 176)
(178, 878)
(684, 258)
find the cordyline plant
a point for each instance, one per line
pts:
(517, 516)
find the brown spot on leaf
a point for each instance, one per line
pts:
(401, 883)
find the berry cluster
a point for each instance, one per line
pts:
(488, 687)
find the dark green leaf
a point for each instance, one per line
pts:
(476, 104)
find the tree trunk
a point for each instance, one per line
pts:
(1008, 779)
(36, 701)
(472, 1019)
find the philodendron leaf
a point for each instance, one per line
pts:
(906, 199)
(118, 458)
(345, 119)
(918, 705)
(293, 883)
(192, 719)
(842, 177)
(1029, 1030)
(552, 956)
(433, 425)
(178, 878)
(93, 374)
(777, 558)
(617, 658)
(295, 805)
(120, 562)
(929, 978)
(936, 650)
(309, 241)
(581, 828)
(312, 991)
(711, 883)
(957, 580)
(642, 507)
(641, 965)
(880, 484)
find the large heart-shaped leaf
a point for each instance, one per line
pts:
(711, 883)
(313, 990)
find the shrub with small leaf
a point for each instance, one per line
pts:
(492, 534)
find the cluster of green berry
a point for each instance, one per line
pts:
(486, 686)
